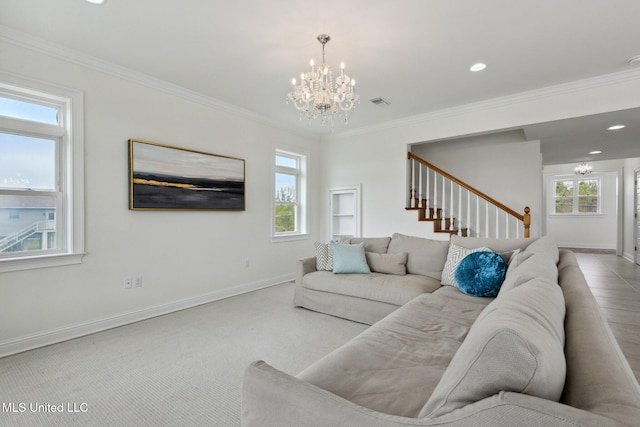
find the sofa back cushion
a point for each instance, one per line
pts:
(545, 245)
(424, 256)
(516, 344)
(495, 244)
(372, 244)
(526, 266)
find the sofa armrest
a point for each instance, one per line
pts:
(304, 266)
(272, 398)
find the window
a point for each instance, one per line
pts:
(290, 189)
(41, 175)
(576, 196)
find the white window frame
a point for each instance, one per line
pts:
(68, 135)
(302, 181)
(576, 179)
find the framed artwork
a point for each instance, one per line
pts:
(164, 177)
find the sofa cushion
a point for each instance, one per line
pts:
(538, 265)
(391, 289)
(393, 366)
(387, 263)
(348, 259)
(516, 344)
(455, 255)
(424, 256)
(545, 245)
(495, 244)
(372, 244)
(481, 274)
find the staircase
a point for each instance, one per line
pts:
(455, 207)
(19, 236)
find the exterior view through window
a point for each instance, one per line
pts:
(28, 194)
(41, 175)
(289, 195)
(577, 196)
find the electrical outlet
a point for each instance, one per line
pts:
(137, 282)
(128, 283)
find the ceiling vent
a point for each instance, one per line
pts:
(380, 101)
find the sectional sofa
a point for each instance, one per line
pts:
(537, 353)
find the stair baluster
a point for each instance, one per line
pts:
(446, 207)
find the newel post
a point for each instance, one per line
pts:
(526, 220)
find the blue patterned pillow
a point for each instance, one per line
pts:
(481, 274)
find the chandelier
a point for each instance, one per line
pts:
(583, 169)
(319, 96)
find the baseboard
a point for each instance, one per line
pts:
(587, 245)
(54, 336)
(629, 257)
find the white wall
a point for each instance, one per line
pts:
(599, 231)
(183, 257)
(376, 157)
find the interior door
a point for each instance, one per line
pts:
(637, 217)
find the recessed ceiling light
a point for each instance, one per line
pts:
(595, 152)
(96, 1)
(479, 66)
(615, 127)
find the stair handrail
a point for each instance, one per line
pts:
(525, 218)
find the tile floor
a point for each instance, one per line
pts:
(615, 282)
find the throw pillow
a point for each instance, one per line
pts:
(481, 274)
(349, 258)
(454, 256)
(324, 261)
(509, 255)
(387, 263)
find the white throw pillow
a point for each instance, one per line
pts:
(324, 260)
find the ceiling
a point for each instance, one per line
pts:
(414, 53)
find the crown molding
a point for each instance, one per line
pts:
(494, 103)
(27, 41)
(48, 48)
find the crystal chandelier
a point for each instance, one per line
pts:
(319, 96)
(583, 169)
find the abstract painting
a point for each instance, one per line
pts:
(164, 177)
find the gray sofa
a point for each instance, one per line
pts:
(540, 353)
(367, 298)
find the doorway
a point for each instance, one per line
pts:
(637, 216)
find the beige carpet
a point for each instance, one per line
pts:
(182, 369)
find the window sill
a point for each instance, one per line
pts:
(585, 215)
(289, 237)
(43, 261)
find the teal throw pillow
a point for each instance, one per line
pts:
(481, 274)
(349, 258)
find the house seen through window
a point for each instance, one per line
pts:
(40, 193)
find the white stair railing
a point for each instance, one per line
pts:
(473, 214)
